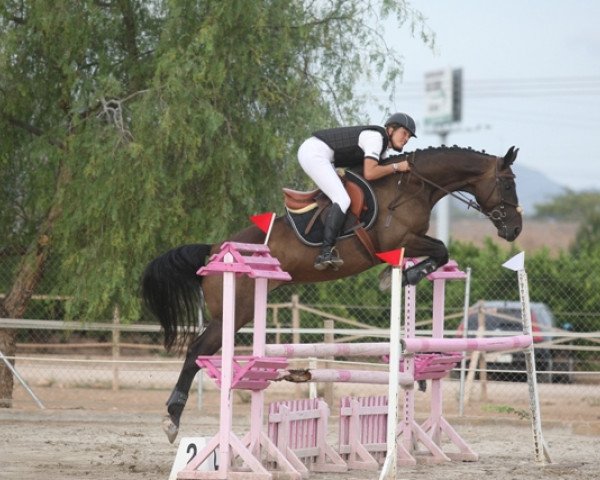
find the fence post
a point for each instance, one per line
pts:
(481, 328)
(276, 324)
(116, 338)
(328, 338)
(296, 332)
(295, 318)
(474, 360)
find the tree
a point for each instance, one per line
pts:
(587, 239)
(570, 206)
(130, 126)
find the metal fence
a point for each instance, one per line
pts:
(60, 356)
(56, 357)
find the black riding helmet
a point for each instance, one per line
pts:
(403, 120)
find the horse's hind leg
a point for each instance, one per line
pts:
(206, 344)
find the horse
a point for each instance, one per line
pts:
(173, 293)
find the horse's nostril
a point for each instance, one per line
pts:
(517, 231)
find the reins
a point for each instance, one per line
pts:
(496, 214)
(459, 196)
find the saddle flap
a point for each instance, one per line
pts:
(357, 198)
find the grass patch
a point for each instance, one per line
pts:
(519, 412)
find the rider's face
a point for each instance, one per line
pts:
(399, 138)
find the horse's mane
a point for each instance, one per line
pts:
(441, 149)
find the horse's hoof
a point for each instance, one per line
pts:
(412, 277)
(170, 428)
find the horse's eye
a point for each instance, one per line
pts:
(507, 187)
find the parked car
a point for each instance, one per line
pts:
(505, 316)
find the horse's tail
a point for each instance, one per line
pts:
(171, 291)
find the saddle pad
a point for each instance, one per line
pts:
(299, 220)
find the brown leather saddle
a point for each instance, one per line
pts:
(306, 211)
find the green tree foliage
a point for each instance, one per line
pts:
(572, 205)
(132, 126)
(587, 239)
(569, 284)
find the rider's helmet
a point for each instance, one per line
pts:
(403, 120)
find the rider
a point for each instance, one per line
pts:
(368, 145)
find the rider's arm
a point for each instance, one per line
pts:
(371, 143)
(373, 170)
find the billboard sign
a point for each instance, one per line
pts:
(443, 96)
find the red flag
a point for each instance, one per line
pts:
(393, 257)
(263, 220)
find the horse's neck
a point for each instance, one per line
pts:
(452, 170)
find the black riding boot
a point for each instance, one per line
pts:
(333, 224)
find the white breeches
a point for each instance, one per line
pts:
(316, 159)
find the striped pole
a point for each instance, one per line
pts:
(517, 264)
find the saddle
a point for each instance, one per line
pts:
(306, 211)
(299, 202)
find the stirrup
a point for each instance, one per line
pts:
(328, 259)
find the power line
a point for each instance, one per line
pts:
(568, 118)
(502, 88)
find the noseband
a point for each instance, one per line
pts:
(498, 213)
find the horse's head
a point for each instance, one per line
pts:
(496, 195)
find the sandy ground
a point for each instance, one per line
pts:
(78, 445)
(121, 439)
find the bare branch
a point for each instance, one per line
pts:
(31, 129)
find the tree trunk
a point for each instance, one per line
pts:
(7, 347)
(26, 281)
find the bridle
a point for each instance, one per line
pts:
(498, 213)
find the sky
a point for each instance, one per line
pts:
(531, 78)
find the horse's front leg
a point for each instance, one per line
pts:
(206, 344)
(418, 246)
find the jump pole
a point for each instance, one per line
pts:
(517, 264)
(395, 259)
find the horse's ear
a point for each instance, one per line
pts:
(510, 157)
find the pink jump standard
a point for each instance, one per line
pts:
(429, 434)
(371, 430)
(250, 372)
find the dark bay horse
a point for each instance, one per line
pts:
(173, 292)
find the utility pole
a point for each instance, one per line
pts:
(443, 94)
(443, 206)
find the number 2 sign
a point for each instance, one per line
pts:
(187, 450)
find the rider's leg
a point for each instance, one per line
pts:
(316, 159)
(329, 256)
